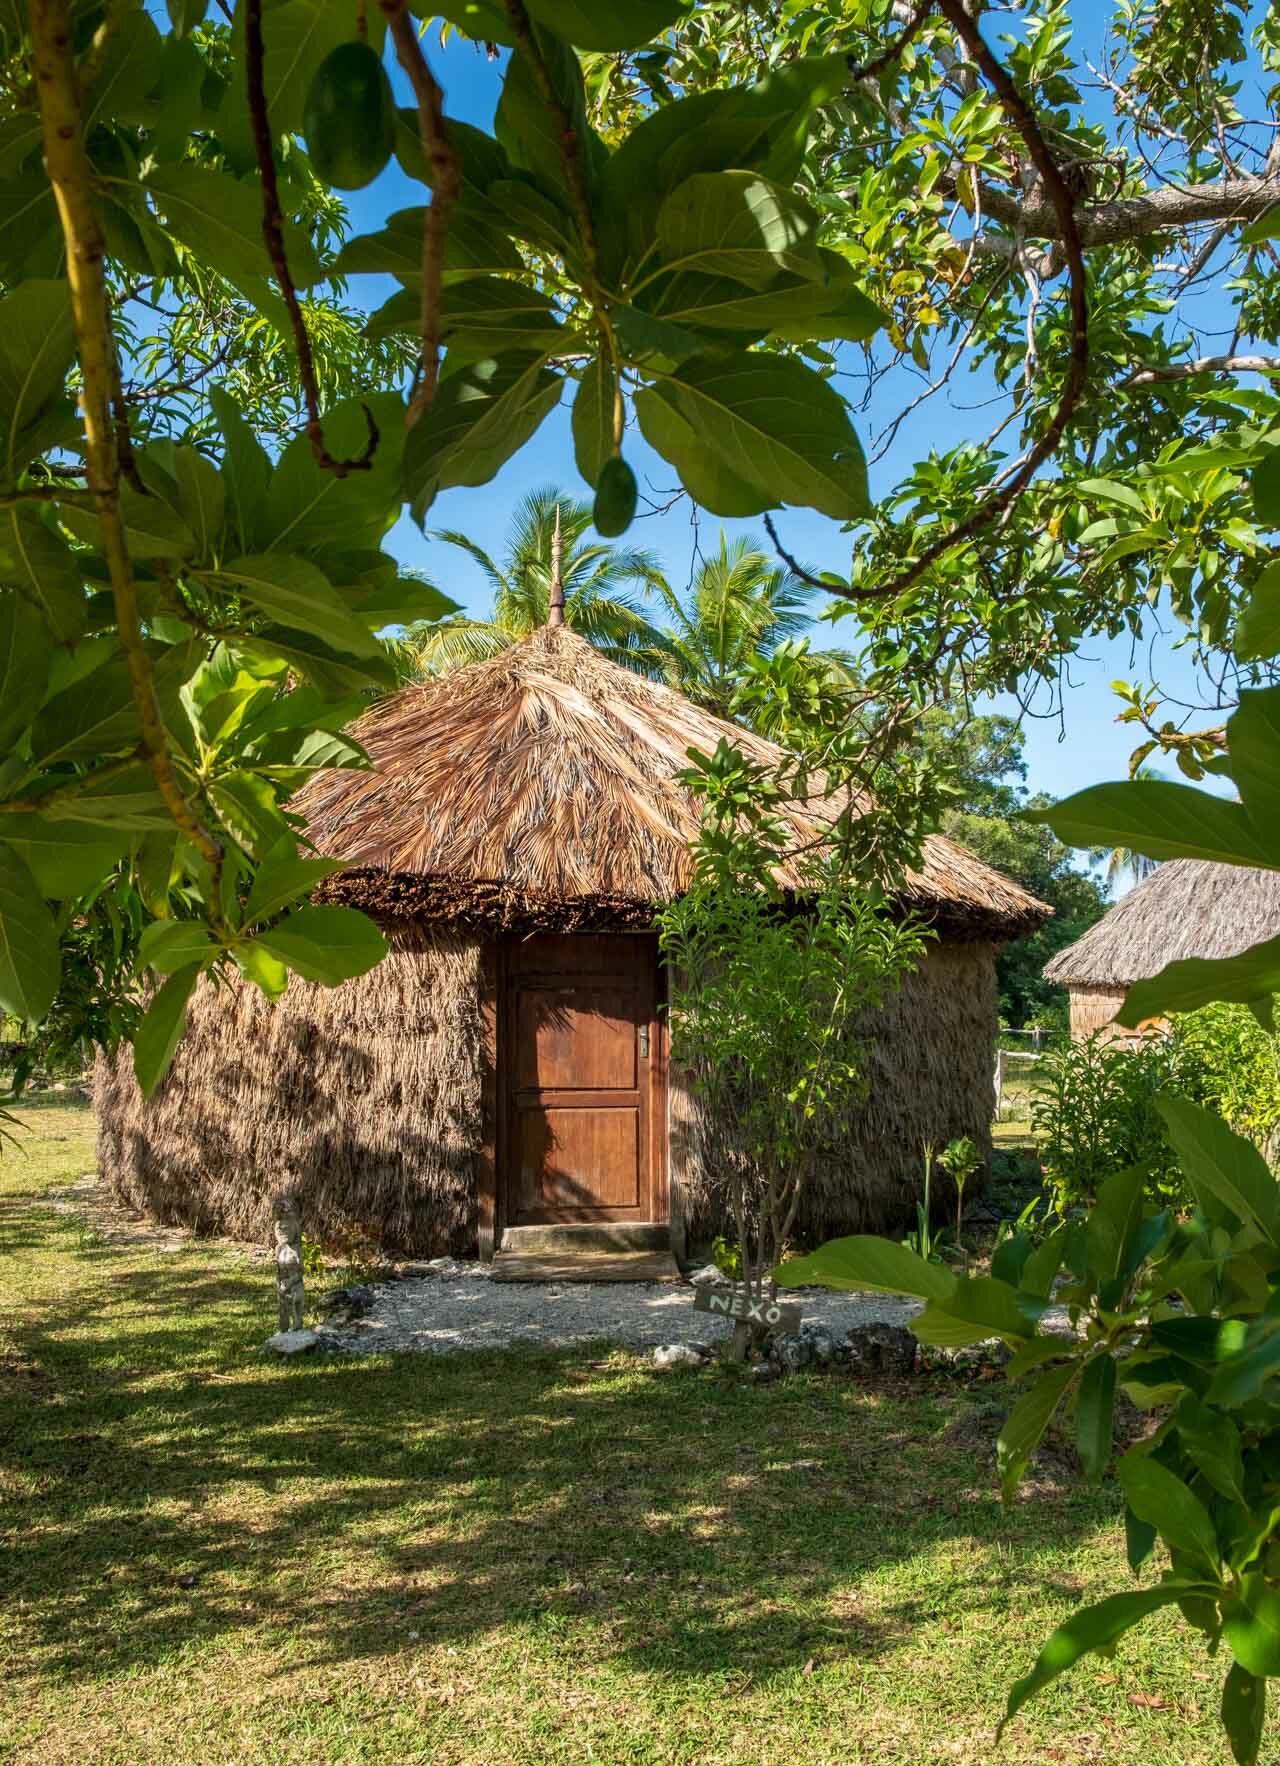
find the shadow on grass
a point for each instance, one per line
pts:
(174, 1490)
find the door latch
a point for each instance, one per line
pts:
(644, 1042)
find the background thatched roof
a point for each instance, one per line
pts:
(1186, 908)
(540, 787)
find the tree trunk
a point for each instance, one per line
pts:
(291, 1292)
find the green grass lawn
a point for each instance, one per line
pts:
(209, 1556)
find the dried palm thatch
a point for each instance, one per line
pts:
(1186, 908)
(540, 788)
(364, 1099)
(931, 1079)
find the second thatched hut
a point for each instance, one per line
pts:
(507, 1064)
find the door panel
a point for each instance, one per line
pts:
(580, 1035)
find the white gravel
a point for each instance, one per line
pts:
(460, 1308)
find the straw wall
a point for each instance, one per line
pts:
(365, 1098)
(1092, 1008)
(931, 1071)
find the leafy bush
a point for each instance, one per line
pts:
(1096, 1107)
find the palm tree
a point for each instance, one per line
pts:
(1122, 860)
(740, 605)
(594, 575)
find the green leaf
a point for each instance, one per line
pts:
(24, 666)
(246, 469)
(296, 38)
(1258, 623)
(1244, 1705)
(219, 220)
(152, 526)
(1266, 488)
(1253, 741)
(30, 962)
(1095, 1412)
(185, 15)
(309, 508)
(1160, 820)
(1251, 1626)
(1212, 1441)
(124, 72)
(484, 20)
(1093, 1628)
(530, 215)
(482, 416)
(37, 347)
(202, 499)
(40, 565)
(1155, 1494)
(486, 316)
(1267, 226)
(865, 1263)
(1222, 1166)
(474, 246)
(66, 858)
(297, 594)
(248, 805)
(1240, 1379)
(326, 944)
(92, 717)
(530, 129)
(789, 307)
(268, 974)
(1113, 1220)
(160, 1031)
(130, 800)
(704, 475)
(620, 24)
(740, 225)
(976, 1309)
(282, 877)
(334, 675)
(170, 945)
(1025, 1426)
(593, 413)
(775, 424)
(1197, 981)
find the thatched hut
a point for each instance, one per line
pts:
(1185, 908)
(507, 1064)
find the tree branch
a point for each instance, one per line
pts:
(70, 173)
(70, 788)
(273, 236)
(868, 70)
(1134, 217)
(446, 170)
(1204, 365)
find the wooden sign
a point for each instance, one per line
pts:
(740, 1303)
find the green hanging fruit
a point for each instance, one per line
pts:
(350, 117)
(615, 504)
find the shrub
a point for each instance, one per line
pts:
(1232, 1065)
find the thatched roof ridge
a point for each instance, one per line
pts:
(1186, 908)
(542, 783)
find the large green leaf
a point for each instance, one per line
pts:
(976, 1309)
(740, 225)
(37, 346)
(1113, 1220)
(1093, 1628)
(202, 499)
(248, 805)
(333, 673)
(529, 128)
(30, 963)
(703, 473)
(1222, 1166)
(593, 417)
(67, 858)
(41, 566)
(1095, 1415)
(160, 1031)
(219, 220)
(1266, 488)
(775, 424)
(24, 666)
(1212, 1442)
(296, 38)
(1253, 741)
(124, 71)
(487, 316)
(1244, 1705)
(309, 508)
(1160, 820)
(1197, 981)
(1251, 1626)
(326, 944)
(1157, 1495)
(1025, 1426)
(865, 1263)
(281, 878)
(1241, 1377)
(169, 945)
(827, 309)
(482, 415)
(474, 246)
(129, 800)
(1258, 626)
(609, 24)
(246, 470)
(153, 527)
(297, 593)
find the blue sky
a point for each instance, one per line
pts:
(1085, 746)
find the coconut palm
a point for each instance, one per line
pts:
(596, 578)
(739, 606)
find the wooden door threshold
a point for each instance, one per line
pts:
(511, 1265)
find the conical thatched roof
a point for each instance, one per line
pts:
(540, 787)
(1185, 908)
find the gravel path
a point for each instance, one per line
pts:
(459, 1307)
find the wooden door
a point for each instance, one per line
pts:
(581, 1061)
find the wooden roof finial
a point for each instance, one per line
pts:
(555, 605)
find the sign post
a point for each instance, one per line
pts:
(738, 1302)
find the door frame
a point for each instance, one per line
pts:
(497, 1037)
